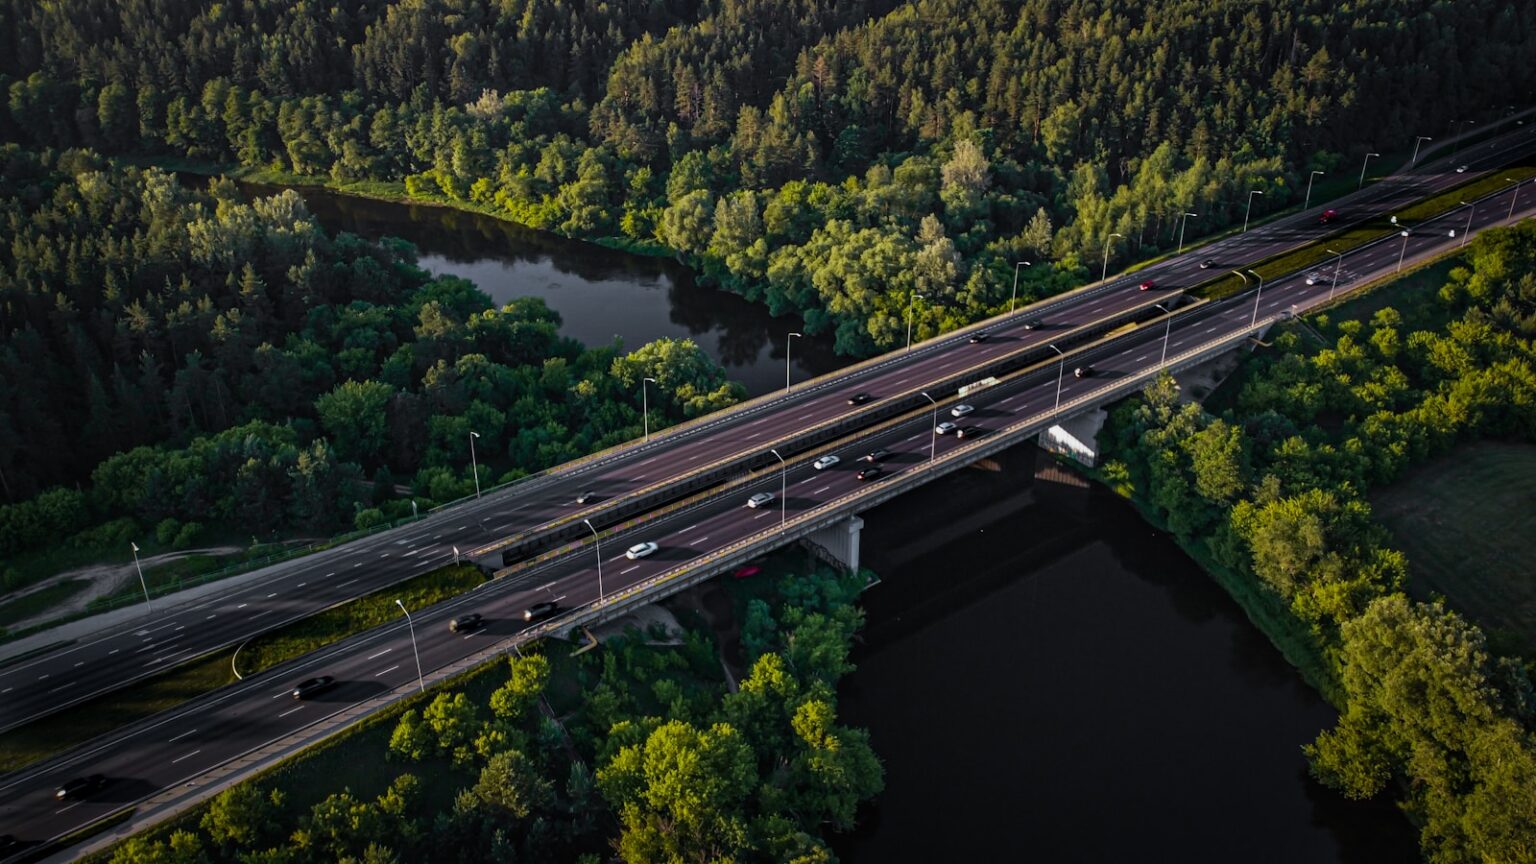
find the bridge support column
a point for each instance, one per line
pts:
(839, 543)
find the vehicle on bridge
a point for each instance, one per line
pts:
(760, 499)
(945, 428)
(960, 410)
(871, 473)
(879, 454)
(1034, 324)
(313, 687)
(1146, 286)
(971, 432)
(825, 462)
(978, 336)
(1207, 263)
(81, 788)
(466, 623)
(1328, 216)
(1082, 372)
(860, 398)
(640, 550)
(586, 497)
(541, 610)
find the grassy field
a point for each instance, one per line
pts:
(73, 726)
(25, 607)
(1467, 522)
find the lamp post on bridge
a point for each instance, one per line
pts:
(1249, 211)
(420, 680)
(1340, 263)
(1367, 161)
(1308, 203)
(1011, 300)
(148, 608)
(787, 344)
(599, 543)
(1184, 220)
(1104, 274)
(473, 464)
(933, 434)
(645, 405)
(1166, 333)
(1416, 142)
(1060, 374)
(783, 490)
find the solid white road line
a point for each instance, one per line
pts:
(701, 539)
(630, 569)
(764, 513)
(386, 671)
(291, 710)
(188, 756)
(346, 583)
(380, 654)
(821, 490)
(182, 735)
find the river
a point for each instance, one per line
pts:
(1044, 676)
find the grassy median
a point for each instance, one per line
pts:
(74, 726)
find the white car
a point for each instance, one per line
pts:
(960, 410)
(760, 499)
(1313, 278)
(825, 462)
(1461, 170)
(944, 428)
(639, 550)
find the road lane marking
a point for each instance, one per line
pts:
(81, 663)
(113, 651)
(689, 528)
(60, 687)
(902, 381)
(380, 654)
(182, 735)
(267, 612)
(273, 594)
(387, 671)
(753, 435)
(385, 555)
(636, 567)
(914, 437)
(640, 477)
(43, 677)
(1141, 358)
(242, 605)
(358, 564)
(329, 575)
(211, 617)
(821, 490)
(69, 808)
(762, 514)
(188, 756)
(701, 539)
(291, 710)
(346, 583)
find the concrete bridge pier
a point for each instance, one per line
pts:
(838, 543)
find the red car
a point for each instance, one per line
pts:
(747, 572)
(1148, 285)
(1328, 216)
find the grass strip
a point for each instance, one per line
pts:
(78, 724)
(1374, 229)
(27, 606)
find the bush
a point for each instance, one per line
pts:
(366, 519)
(187, 535)
(166, 531)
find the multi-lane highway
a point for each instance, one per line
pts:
(90, 667)
(186, 742)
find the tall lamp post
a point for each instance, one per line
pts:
(1249, 211)
(1416, 142)
(1513, 198)
(1011, 300)
(420, 681)
(911, 299)
(645, 405)
(599, 542)
(148, 608)
(1335, 284)
(474, 465)
(1166, 333)
(1367, 161)
(1184, 220)
(787, 344)
(1308, 203)
(933, 435)
(1105, 273)
(1471, 208)
(783, 489)
(1059, 376)
(1403, 251)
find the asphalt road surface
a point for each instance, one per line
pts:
(183, 743)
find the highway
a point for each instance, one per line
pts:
(73, 673)
(179, 745)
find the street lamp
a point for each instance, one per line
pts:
(1107, 240)
(933, 436)
(1184, 220)
(1416, 142)
(783, 489)
(1255, 320)
(1471, 208)
(1367, 161)
(645, 406)
(474, 466)
(1249, 211)
(1308, 203)
(1403, 252)
(1513, 198)
(599, 542)
(787, 345)
(420, 681)
(912, 298)
(147, 607)
(1059, 375)
(1011, 300)
(1336, 266)
(1166, 333)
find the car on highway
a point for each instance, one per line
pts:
(747, 572)
(1207, 263)
(81, 787)
(825, 462)
(860, 398)
(586, 497)
(312, 686)
(541, 610)
(1147, 285)
(1314, 278)
(945, 428)
(1461, 169)
(760, 499)
(978, 336)
(870, 473)
(960, 410)
(640, 550)
(1327, 216)
(879, 454)
(1082, 371)
(970, 432)
(466, 623)
(1034, 324)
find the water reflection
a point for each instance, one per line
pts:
(600, 293)
(1047, 678)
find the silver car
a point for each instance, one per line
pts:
(760, 499)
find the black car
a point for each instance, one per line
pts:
(81, 787)
(1207, 263)
(313, 687)
(870, 473)
(540, 611)
(877, 455)
(979, 336)
(466, 623)
(970, 432)
(1034, 324)
(586, 497)
(859, 398)
(1082, 371)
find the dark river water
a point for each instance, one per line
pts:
(1045, 677)
(600, 293)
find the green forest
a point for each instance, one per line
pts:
(1270, 497)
